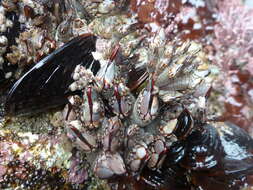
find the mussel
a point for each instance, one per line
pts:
(46, 85)
(217, 155)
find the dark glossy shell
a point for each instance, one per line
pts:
(211, 156)
(166, 178)
(46, 84)
(202, 149)
(184, 125)
(219, 156)
(238, 149)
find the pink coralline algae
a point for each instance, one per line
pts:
(233, 36)
(27, 160)
(77, 173)
(5, 156)
(233, 53)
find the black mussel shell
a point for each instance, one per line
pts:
(219, 157)
(184, 125)
(46, 84)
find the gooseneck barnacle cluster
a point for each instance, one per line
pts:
(131, 97)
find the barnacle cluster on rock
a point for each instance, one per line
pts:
(136, 132)
(152, 67)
